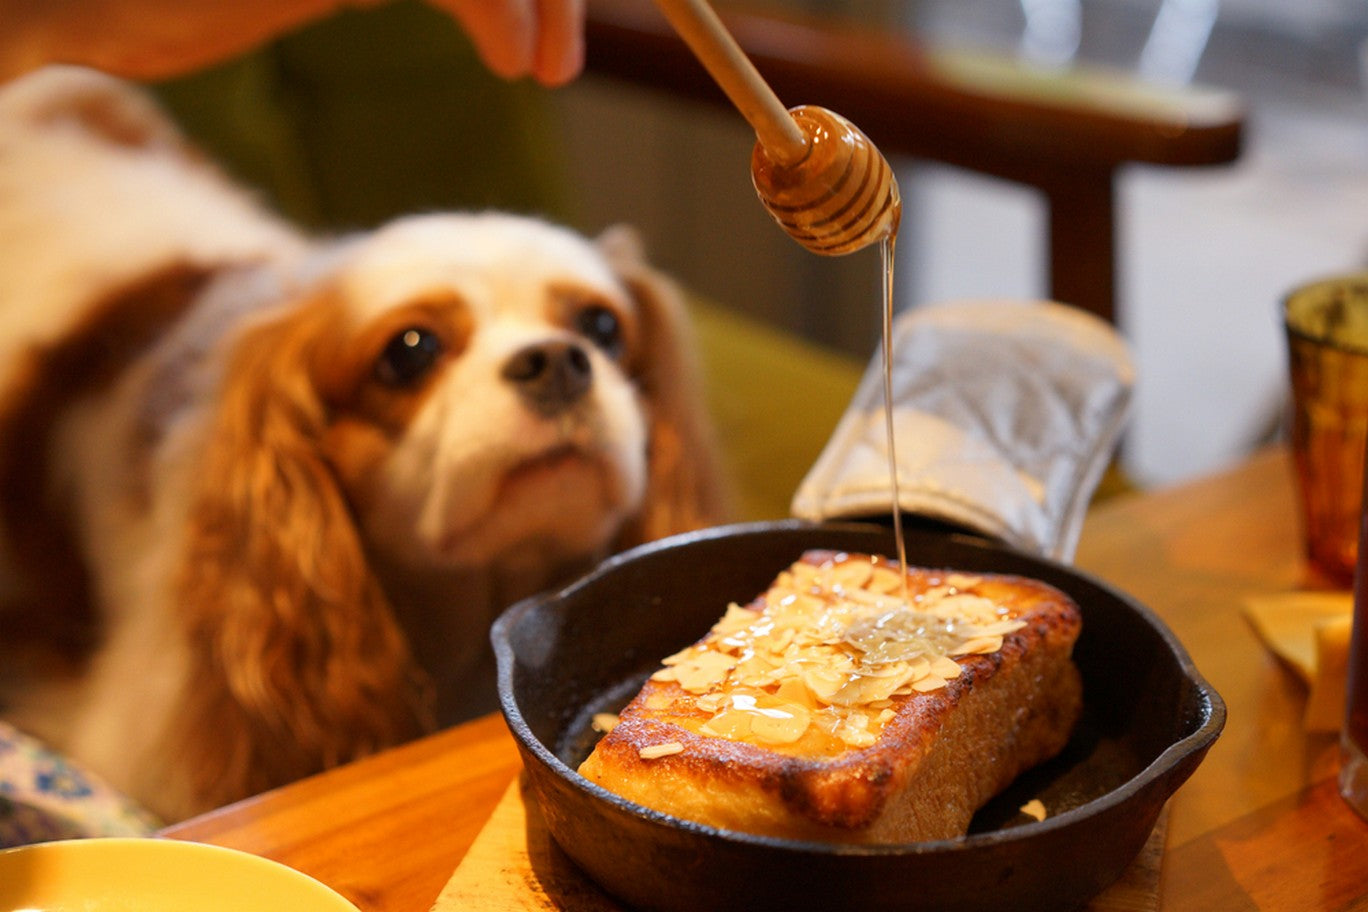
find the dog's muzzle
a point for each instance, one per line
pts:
(550, 376)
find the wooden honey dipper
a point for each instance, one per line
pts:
(822, 179)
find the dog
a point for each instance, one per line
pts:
(262, 494)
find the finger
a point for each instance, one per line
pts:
(559, 52)
(503, 32)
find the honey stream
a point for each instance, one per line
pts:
(841, 196)
(887, 250)
(820, 178)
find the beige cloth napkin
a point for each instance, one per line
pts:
(1310, 632)
(1006, 413)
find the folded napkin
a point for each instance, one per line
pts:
(1006, 414)
(1310, 632)
(45, 795)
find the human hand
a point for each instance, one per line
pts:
(157, 39)
(541, 38)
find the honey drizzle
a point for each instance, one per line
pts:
(887, 249)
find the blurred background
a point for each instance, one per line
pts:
(1205, 255)
(379, 112)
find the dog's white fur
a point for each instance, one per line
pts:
(235, 550)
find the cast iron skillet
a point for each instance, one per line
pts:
(1149, 718)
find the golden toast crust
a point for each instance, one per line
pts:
(935, 757)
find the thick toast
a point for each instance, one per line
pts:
(832, 709)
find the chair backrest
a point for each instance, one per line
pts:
(1064, 133)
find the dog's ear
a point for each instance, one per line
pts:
(685, 484)
(48, 601)
(302, 665)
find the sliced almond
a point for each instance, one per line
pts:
(729, 723)
(929, 683)
(779, 724)
(656, 751)
(848, 574)
(962, 581)
(736, 619)
(703, 670)
(885, 580)
(980, 645)
(604, 722)
(945, 667)
(710, 702)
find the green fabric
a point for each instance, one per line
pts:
(374, 113)
(775, 399)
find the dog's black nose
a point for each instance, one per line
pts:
(550, 376)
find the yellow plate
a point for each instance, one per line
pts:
(153, 875)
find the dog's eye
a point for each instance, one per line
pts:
(602, 327)
(408, 356)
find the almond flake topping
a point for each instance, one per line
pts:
(604, 722)
(829, 645)
(656, 751)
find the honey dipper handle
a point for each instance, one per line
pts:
(698, 24)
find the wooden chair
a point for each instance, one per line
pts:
(1065, 134)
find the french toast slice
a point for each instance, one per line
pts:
(839, 706)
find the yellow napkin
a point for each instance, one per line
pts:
(1309, 631)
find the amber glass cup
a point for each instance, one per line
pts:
(1353, 778)
(1327, 339)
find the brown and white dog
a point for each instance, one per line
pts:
(261, 495)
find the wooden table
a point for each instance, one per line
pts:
(1258, 827)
